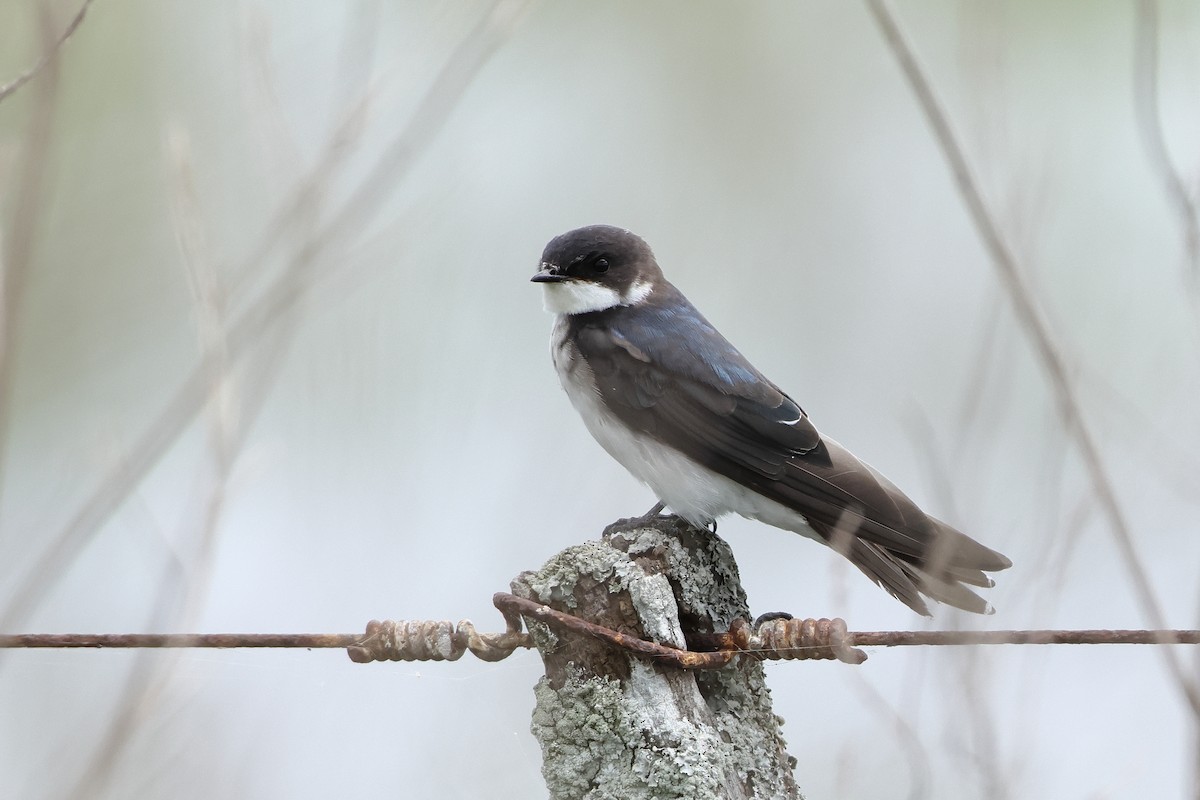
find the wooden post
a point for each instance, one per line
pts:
(615, 725)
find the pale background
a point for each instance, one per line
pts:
(398, 446)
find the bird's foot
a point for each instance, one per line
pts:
(633, 523)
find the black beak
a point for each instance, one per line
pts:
(549, 274)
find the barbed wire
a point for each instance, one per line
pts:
(781, 639)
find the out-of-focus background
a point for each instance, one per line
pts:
(272, 363)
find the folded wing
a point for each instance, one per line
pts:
(734, 421)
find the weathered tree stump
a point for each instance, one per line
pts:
(615, 725)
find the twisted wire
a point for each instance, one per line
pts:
(432, 640)
(797, 640)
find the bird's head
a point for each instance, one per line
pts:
(596, 268)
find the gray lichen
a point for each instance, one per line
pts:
(601, 739)
(613, 725)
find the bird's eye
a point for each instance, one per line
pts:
(601, 265)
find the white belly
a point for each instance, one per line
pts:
(692, 491)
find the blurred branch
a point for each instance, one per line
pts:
(264, 105)
(978, 740)
(182, 583)
(432, 112)
(973, 717)
(390, 169)
(273, 303)
(1146, 105)
(1029, 315)
(48, 55)
(16, 248)
(908, 740)
(1195, 742)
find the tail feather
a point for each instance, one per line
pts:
(949, 592)
(965, 551)
(952, 560)
(887, 571)
(974, 577)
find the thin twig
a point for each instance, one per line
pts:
(1028, 313)
(975, 717)
(182, 583)
(49, 55)
(908, 740)
(18, 246)
(1149, 117)
(266, 311)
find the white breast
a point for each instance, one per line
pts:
(692, 491)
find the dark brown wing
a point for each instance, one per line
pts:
(672, 376)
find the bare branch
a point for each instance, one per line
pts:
(182, 584)
(907, 738)
(1027, 311)
(1145, 66)
(264, 314)
(49, 55)
(17, 247)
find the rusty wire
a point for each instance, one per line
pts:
(439, 640)
(787, 639)
(433, 640)
(419, 640)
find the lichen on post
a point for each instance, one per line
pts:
(616, 725)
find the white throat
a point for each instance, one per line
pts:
(581, 297)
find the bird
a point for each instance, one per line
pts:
(688, 415)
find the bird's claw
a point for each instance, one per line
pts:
(771, 615)
(633, 523)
